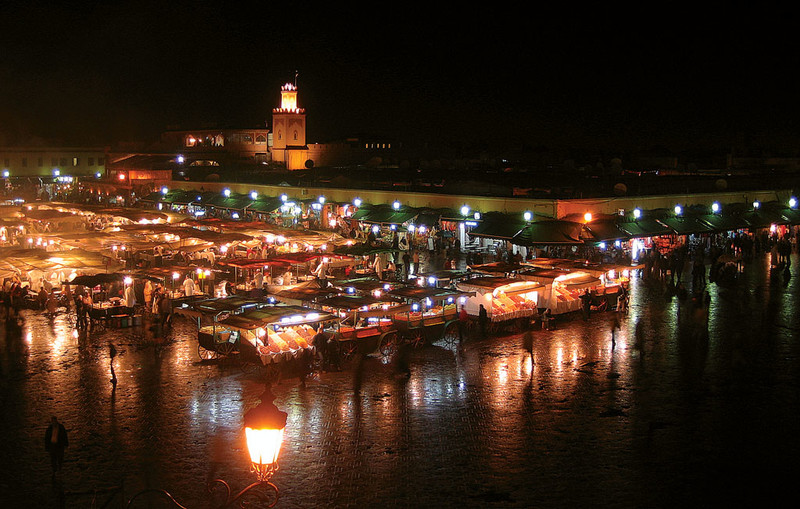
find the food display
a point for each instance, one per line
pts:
(503, 298)
(287, 340)
(566, 292)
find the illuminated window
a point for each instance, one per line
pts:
(76, 161)
(191, 141)
(261, 138)
(246, 138)
(389, 145)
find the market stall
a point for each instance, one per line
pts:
(508, 301)
(364, 324)
(566, 291)
(431, 314)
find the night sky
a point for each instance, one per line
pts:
(95, 74)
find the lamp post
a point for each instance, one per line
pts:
(264, 425)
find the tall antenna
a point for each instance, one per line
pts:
(295, 78)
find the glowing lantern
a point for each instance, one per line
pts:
(587, 217)
(527, 216)
(637, 213)
(715, 207)
(263, 427)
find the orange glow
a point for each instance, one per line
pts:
(264, 445)
(587, 217)
(122, 176)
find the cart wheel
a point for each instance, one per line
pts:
(225, 349)
(417, 338)
(388, 344)
(205, 354)
(349, 349)
(451, 333)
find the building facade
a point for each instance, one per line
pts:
(52, 161)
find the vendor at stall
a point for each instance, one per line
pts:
(129, 298)
(189, 287)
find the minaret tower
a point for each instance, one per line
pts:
(289, 130)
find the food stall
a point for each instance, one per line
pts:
(270, 336)
(444, 278)
(508, 301)
(364, 324)
(565, 293)
(431, 314)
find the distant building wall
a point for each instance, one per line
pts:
(44, 161)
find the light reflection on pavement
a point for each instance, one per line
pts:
(683, 420)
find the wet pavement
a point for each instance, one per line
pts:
(677, 418)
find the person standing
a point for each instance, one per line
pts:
(148, 295)
(483, 320)
(414, 262)
(129, 298)
(189, 286)
(55, 441)
(112, 352)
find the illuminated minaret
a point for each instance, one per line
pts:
(289, 130)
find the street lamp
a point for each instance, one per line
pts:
(357, 202)
(527, 216)
(226, 192)
(465, 210)
(715, 207)
(756, 204)
(792, 202)
(264, 427)
(637, 213)
(253, 195)
(678, 210)
(396, 205)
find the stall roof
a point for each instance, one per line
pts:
(265, 204)
(764, 218)
(496, 268)
(354, 301)
(496, 228)
(686, 225)
(422, 292)
(366, 284)
(284, 315)
(253, 263)
(581, 280)
(219, 304)
(549, 232)
(724, 222)
(603, 231)
(645, 227)
(446, 274)
(487, 282)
